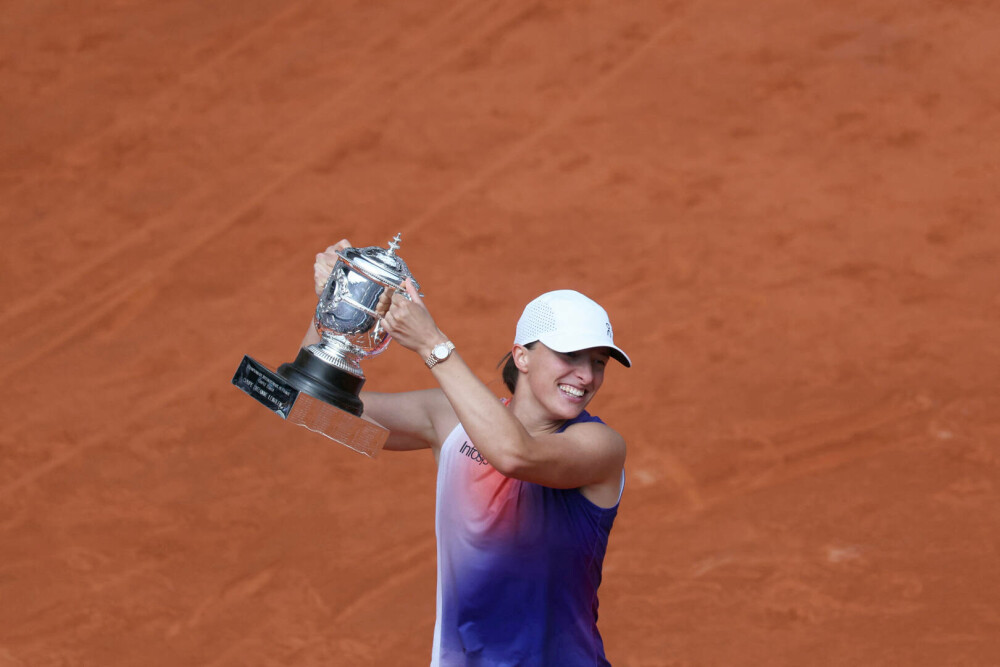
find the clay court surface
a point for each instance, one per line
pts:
(789, 209)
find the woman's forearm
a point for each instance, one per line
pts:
(498, 434)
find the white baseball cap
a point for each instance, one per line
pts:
(567, 321)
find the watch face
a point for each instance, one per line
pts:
(440, 352)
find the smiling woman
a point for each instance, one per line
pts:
(527, 488)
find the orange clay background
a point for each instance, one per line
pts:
(789, 208)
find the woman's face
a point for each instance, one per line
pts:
(564, 382)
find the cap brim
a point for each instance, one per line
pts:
(560, 344)
(622, 358)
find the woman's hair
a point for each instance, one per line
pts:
(510, 372)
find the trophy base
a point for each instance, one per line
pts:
(299, 407)
(310, 374)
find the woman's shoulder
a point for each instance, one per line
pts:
(592, 430)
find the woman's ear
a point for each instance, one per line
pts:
(519, 354)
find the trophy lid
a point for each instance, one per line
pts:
(380, 265)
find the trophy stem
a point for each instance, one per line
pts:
(311, 375)
(335, 355)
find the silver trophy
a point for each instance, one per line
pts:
(320, 389)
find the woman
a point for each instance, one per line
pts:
(527, 488)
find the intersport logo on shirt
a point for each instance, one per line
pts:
(473, 453)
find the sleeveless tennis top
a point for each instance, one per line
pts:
(519, 565)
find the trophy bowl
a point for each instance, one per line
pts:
(349, 321)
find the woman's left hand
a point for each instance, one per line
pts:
(410, 323)
(325, 261)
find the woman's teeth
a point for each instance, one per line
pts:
(572, 391)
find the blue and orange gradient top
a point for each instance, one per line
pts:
(519, 565)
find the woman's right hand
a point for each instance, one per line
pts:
(324, 264)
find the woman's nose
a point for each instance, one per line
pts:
(584, 371)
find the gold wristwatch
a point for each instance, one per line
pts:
(439, 353)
